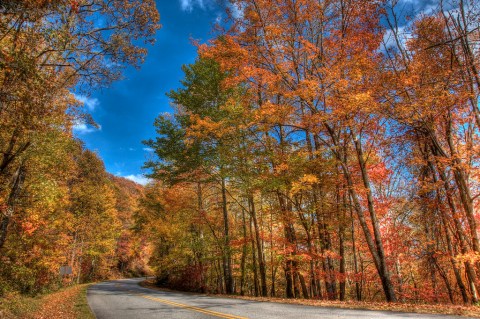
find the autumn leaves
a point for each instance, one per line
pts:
(58, 206)
(342, 161)
(316, 151)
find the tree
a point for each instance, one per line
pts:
(48, 48)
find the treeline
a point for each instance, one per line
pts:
(319, 149)
(58, 206)
(71, 212)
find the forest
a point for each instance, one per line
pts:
(58, 204)
(318, 149)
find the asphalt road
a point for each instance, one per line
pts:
(125, 299)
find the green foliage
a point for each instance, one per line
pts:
(202, 91)
(179, 150)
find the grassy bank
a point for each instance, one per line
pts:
(68, 303)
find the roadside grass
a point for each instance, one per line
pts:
(81, 306)
(68, 303)
(17, 306)
(444, 309)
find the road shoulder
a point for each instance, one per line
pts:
(434, 309)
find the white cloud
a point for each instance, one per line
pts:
(138, 178)
(237, 10)
(148, 149)
(89, 103)
(415, 9)
(187, 5)
(389, 37)
(82, 128)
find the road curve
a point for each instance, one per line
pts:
(125, 299)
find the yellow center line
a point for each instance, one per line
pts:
(205, 311)
(184, 306)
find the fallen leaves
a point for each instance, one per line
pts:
(69, 303)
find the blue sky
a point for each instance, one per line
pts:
(126, 110)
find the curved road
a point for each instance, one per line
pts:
(125, 299)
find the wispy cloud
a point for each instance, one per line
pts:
(415, 9)
(188, 5)
(148, 149)
(236, 10)
(90, 103)
(83, 128)
(426, 6)
(138, 178)
(389, 37)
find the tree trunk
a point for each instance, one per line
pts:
(464, 190)
(341, 238)
(469, 269)
(378, 247)
(303, 285)
(325, 246)
(261, 257)
(254, 261)
(7, 212)
(199, 254)
(358, 291)
(451, 252)
(244, 255)
(227, 259)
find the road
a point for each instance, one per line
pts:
(125, 299)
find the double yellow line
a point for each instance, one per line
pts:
(183, 306)
(205, 311)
